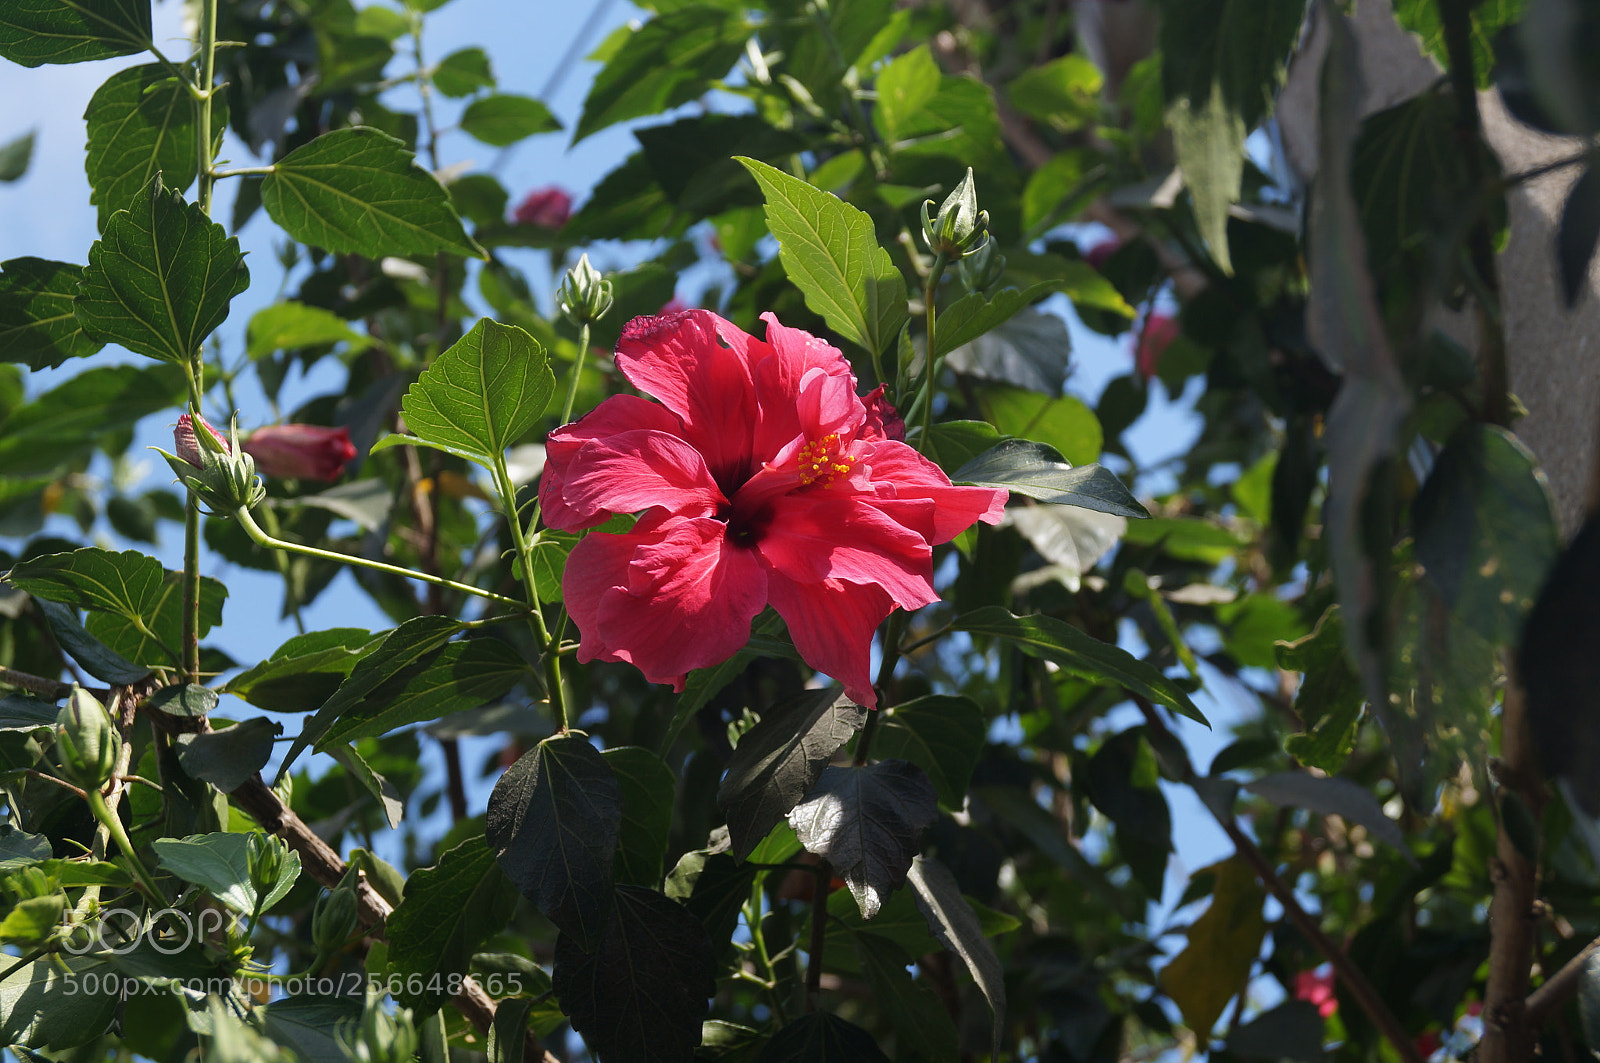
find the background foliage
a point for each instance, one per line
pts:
(754, 869)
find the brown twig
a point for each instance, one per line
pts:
(35, 684)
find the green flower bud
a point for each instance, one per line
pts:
(335, 918)
(982, 269)
(87, 742)
(381, 1037)
(268, 856)
(959, 228)
(217, 470)
(584, 295)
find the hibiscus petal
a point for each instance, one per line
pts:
(597, 566)
(631, 471)
(832, 624)
(900, 472)
(688, 602)
(618, 414)
(679, 359)
(819, 535)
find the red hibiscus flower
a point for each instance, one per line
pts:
(762, 478)
(1157, 335)
(1317, 989)
(544, 208)
(187, 444)
(307, 451)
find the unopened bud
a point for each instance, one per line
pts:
(335, 918)
(267, 855)
(87, 742)
(584, 295)
(381, 1037)
(214, 467)
(982, 269)
(959, 228)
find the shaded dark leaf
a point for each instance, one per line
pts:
(822, 1038)
(957, 926)
(940, 734)
(228, 757)
(37, 324)
(35, 32)
(96, 658)
(1038, 471)
(647, 787)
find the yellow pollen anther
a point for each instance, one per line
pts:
(820, 462)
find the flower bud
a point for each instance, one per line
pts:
(584, 295)
(87, 742)
(544, 208)
(381, 1037)
(981, 270)
(215, 468)
(959, 228)
(267, 857)
(302, 451)
(335, 918)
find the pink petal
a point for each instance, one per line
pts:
(900, 472)
(680, 360)
(828, 405)
(618, 414)
(638, 470)
(818, 535)
(597, 566)
(832, 624)
(688, 602)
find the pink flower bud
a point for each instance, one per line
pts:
(544, 208)
(1096, 256)
(188, 444)
(1157, 335)
(883, 420)
(304, 451)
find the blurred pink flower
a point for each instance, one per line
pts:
(763, 478)
(1315, 988)
(186, 443)
(1154, 338)
(305, 451)
(545, 208)
(1096, 256)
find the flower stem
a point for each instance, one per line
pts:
(931, 365)
(577, 371)
(541, 633)
(208, 77)
(261, 538)
(113, 825)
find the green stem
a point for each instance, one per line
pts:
(931, 365)
(261, 538)
(208, 77)
(191, 588)
(541, 633)
(113, 825)
(577, 371)
(754, 916)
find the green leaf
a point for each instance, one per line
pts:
(954, 922)
(31, 920)
(227, 758)
(19, 848)
(65, 424)
(153, 638)
(19, 712)
(160, 279)
(1332, 795)
(940, 734)
(402, 653)
(96, 658)
(303, 672)
(292, 326)
(357, 190)
(692, 159)
(1037, 471)
(220, 864)
(1080, 654)
(953, 444)
(868, 823)
(648, 787)
(714, 887)
(923, 1028)
(35, 32)
(779, 759)
(450, 910)
(483, 393)
(1209, 141)
(822, 1037)
(382, 790)
(669, 60)
(141, 122)
(124, 584)
(904, 87)
(15, 155)
(704, 683)
(831, 253)
(309, 1025)
(42, 1006)
(553, 823)
(960, 123)
(974, 314)
(463, 72)
(1328, 699)
(460, 676)
(640, 995)
(1030, 349)
(1064, 423)
(1065, 92)
(1223, 944)
(37, 325)
(503, 119)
